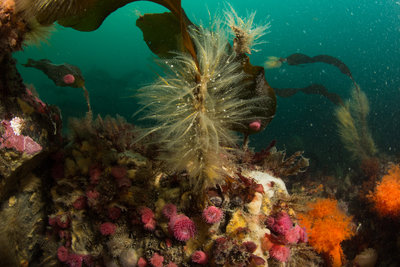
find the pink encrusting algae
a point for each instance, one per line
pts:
(12, 138)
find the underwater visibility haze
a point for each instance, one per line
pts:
(188, 133)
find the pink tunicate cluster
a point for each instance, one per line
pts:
(72, 259)
(147, 218)
(212, 214)
(108, 228)
(287, 233)
(141, 262)
(181, 227)
(157, 260)
(283, 226)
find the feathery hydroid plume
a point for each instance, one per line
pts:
(196, 106)
(246, 33)
(353, 126)
(36, 32)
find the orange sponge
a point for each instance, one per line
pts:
(386, 196)
(327, 226)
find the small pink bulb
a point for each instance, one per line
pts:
(255, 125)
(69, 79)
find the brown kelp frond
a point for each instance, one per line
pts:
(353, 126)
(246, 33)
(195, 107)
(314, 88)
(48, 11)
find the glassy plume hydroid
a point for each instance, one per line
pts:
(196, 104)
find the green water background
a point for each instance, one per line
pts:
(364, 34)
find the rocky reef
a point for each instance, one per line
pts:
(183, 192)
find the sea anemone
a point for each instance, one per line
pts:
(196, 105)
(212, 214)
(182, 227)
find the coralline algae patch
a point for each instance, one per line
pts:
(115, 207)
